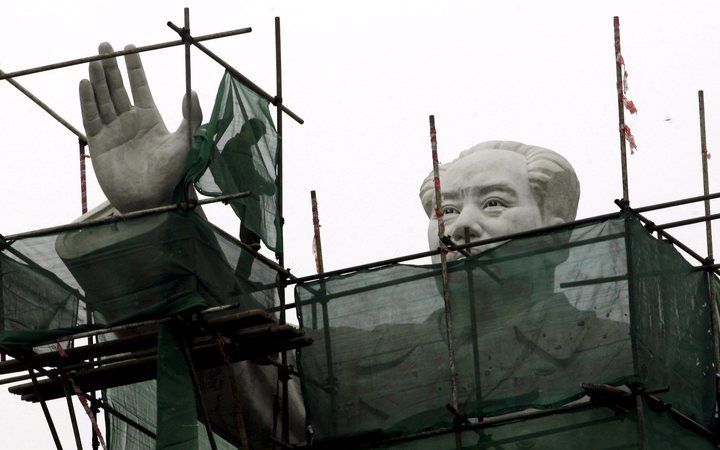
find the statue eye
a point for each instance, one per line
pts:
(493, 203)
(450, 210)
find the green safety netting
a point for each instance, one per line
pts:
(138, 402)
(236, 151)
(127, 271)
(257, 386)
(533, 319)
(585, 428)
(138, 269)
(33, 299)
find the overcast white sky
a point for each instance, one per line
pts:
(365, 76)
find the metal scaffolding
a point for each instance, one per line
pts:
(132, 359)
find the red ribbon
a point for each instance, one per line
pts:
(629, 137)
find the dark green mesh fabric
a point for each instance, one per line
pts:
(147, 267)
(138, 402)
(128, 271)
(32, 298)
(177, 419)
(597, 429)
(237, 151)
(674, 328)
(533, 319)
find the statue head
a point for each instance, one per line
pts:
(501, 187)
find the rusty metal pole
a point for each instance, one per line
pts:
(445, 279)
(626, 196)
(473, 327)
(95, 440)
(621, 110)
(73, 418)
(317, 247)
(331, 381)
(83, 176)
(637, 396)
(187, 354)
(706, 183)
(715, 314)
(245, 80)
(44, 106)
(285, 429)
(100, 57)
(235, 390)
(45, 409)
(188, 89)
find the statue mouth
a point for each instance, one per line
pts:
(455, 255)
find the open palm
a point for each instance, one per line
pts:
(138, 163)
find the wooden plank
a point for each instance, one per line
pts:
(221, 324)
(205, 356)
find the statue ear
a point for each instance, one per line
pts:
(558, 238)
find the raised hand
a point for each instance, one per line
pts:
(138, 163)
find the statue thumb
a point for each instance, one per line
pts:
(195, 114)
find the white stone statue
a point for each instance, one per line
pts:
(501, 187)
(529, 342)
(138, 163)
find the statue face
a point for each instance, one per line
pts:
(489, 193)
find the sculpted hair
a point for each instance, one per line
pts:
(552, 179)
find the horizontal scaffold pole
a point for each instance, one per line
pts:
(146, 48)
(399, 259)
(245, 80)
(46, 108)
(123, 217)
(680, 202)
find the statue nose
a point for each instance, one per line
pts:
(466, 234)
(470, 222)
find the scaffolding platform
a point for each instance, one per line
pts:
(125, 360)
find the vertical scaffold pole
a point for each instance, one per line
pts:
(637, 396)
(626, 195)
(628, 238)
(331, 381)
(187, 354)
(83, 177)
(317, 247)
(3, 357)
(281, 256)
(71, 411)
(473, 327)
(235, 390)
(621, 110)
(715, 314)
(443, 268)
(45, 409)
(93, 395)
(706, 181)
(188, 86)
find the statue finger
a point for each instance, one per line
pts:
(138, 83)
(102, 93)
(118, 94)
(90, 114)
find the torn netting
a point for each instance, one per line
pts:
(236, 151)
